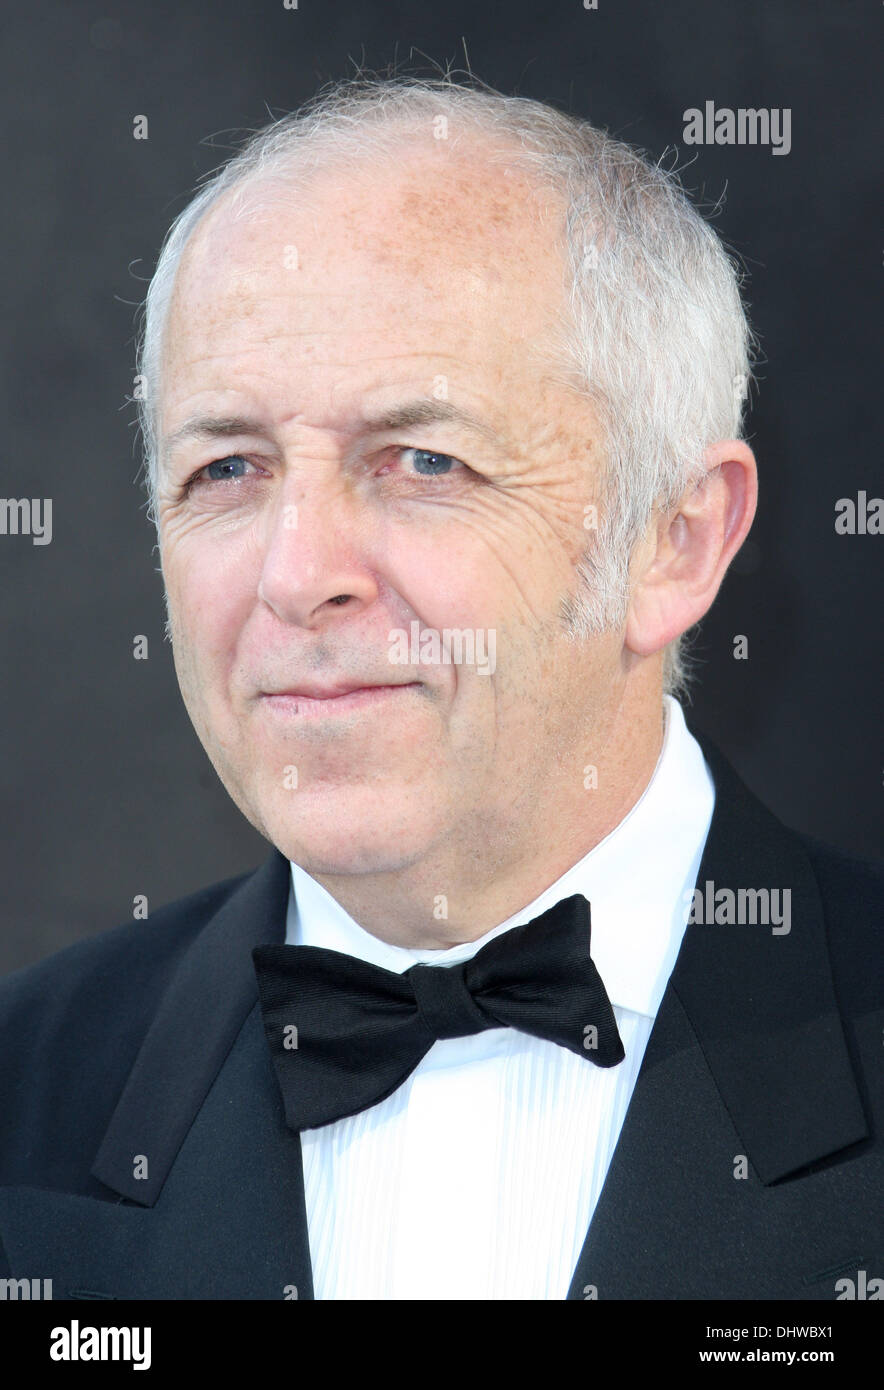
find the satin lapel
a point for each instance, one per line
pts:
(209, 1182)
(747, 1057)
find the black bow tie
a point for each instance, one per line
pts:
(344, 1034)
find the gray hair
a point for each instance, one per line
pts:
(657, 335)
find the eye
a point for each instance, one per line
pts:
(230, 468)
(430, 464)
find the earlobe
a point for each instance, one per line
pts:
(685, 556)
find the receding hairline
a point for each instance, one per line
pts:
(299, 172)
(262, 190)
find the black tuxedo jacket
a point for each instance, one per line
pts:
(141, 1051)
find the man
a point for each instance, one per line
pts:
(533, 998)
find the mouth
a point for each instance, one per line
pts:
(307, 701)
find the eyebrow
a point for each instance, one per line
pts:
(206, 427)
(406, 416)
(431, 412)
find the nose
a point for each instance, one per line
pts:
(311, 567)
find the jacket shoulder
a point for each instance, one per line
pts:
(852, 893)
(150, 948)
(846, 872)
(71, 1027)
(851, 888)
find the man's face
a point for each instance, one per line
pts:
(424, 287)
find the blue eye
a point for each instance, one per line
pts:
(220, 470)
(430, 464)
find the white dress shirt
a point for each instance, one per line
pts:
(478, 1177)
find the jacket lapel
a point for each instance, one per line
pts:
(747, 1057)
(209, 1183)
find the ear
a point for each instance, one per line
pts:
(678, 566)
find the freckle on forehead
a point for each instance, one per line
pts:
(470, 204)
(457, 243)
(396, 213)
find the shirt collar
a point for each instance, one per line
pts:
(637, 881)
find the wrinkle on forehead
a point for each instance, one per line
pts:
(448, 255)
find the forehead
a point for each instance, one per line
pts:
(436, 255)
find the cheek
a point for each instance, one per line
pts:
(453, 577)
(469, 586)
(209, 601)
(453, 596)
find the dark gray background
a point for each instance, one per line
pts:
(106, 791)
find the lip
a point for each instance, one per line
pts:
(339, 699)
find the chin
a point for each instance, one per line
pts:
(366, 855)
(368, 833)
